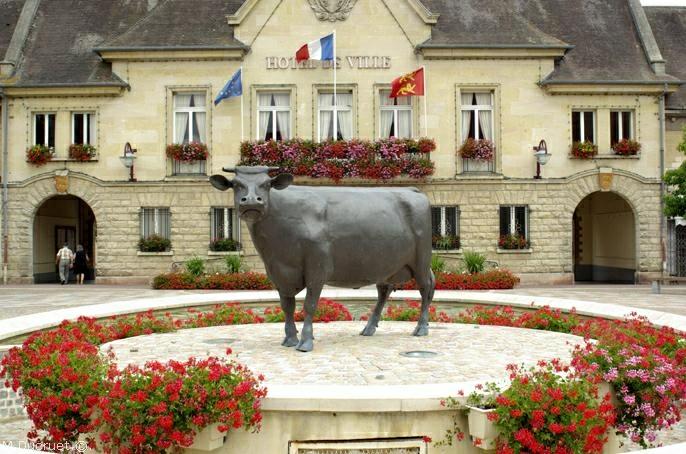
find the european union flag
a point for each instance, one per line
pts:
(234, 87)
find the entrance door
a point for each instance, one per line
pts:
(60, 220)
(604, 235)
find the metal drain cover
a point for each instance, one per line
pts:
(419, 354)
(219, 340)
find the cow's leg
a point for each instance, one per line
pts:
(426, 283)
(288, 307)
(384, 290)
(311, 300)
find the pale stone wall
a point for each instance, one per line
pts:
(673, 136)
(552, 203)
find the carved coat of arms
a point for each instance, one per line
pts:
(332, 10)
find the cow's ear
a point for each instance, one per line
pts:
(221, 182)
(282, 181)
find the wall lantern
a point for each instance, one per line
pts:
(128, 158)
(542, 157)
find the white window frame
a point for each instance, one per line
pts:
(395, 108)
(335, 109)
(46, 126)
(235, 221)
(156, 221)
(89, 135)
(191, 112)
(476, 109)
(512, 227)
(582, 124)
(273, 110)
(619, 122)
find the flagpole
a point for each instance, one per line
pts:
(335, 100)
(242, 119)
(426, 134)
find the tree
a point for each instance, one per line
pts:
(675, 200)
(682, 146)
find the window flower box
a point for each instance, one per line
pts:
(38, 155)
(378, 160)
(187, 152)
(224, 245)
(154, 243)
(82, 151)
(626, 147)
(477, 150)
(513, 242)
(584, 150)
(481, 427)
(445, 243)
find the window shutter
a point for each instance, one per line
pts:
(504, 220)
(436, 221)
(451, 221)
(520, 220)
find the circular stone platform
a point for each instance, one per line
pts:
(458, 353)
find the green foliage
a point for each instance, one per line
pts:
(474, 261)
(154, 243)
(675, 200)
(437, 264)
(446, 242)
(195, 266)
(224, 245)
(682, 145)
(234, 263)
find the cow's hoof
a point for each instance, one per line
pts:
(305, 345)
(368, 330)
(290, 341)
(421, 331)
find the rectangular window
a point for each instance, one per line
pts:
(335, 119)
(190, 117)
(477, 115)
(273, 115)
(83, 128)
(224, 224)
(445, 227)
(621, 126)
(155, 221)
(395, 116)
(44, 129)
(583, 126)
(514, 220)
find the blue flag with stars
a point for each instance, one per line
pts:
(234, 87)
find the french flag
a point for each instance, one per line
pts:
(321, 49)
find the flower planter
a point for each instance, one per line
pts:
(480, 427)
(208, 439)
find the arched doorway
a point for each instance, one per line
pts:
(60, 219)
(604, 239)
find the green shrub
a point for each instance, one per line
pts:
(234, 263)
(195, 266)
(437, 264)
(474, 261)
(154, 243)
(675, 200)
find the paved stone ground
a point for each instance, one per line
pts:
(341, 356)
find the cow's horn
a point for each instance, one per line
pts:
(229, 169)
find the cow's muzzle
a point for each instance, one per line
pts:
(252, 211)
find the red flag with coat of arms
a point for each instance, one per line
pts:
(411, 84)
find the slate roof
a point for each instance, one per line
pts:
(182, 24)
(8, 19)
(669, 28)
(606, 44)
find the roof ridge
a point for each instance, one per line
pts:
(136, 24)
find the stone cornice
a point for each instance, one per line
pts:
(190, 53)
(611, 87)
(58, 90)
(453, 52)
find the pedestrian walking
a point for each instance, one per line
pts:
(81, 260)
(64, 261)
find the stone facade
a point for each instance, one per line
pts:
(525, 110)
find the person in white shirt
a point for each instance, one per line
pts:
(64, 260)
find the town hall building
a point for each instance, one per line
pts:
(105, 86)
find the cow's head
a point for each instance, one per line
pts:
(251, 188)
